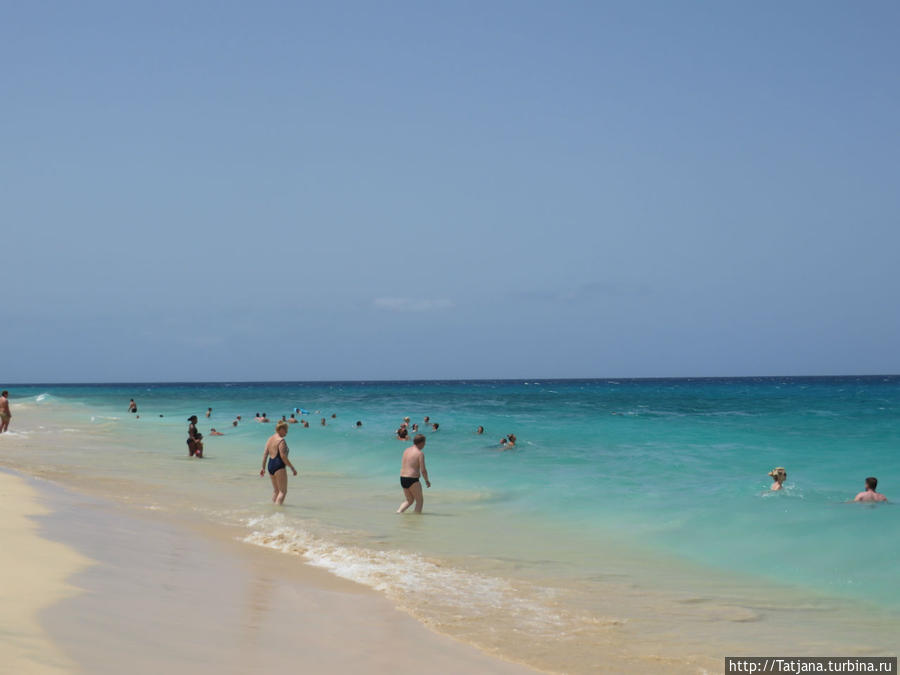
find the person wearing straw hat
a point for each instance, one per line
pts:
(779, 475)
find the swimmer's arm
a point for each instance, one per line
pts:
(424, 470)
(284, 456)
(262, 471)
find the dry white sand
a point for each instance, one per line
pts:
(34, 573)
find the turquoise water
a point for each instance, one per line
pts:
(628, 507)
(676, 466)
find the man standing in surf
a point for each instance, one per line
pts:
(412, 465)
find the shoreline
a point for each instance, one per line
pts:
(610, 622)
(159, 596)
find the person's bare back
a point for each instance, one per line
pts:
(412, 466)
(869, 495)
(412, 462)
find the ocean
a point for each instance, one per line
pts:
(632, 517)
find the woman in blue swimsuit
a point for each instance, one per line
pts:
(275, 458)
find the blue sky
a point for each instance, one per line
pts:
(251, 191)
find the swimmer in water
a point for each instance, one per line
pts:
(402, 434)
(479, 430)
(213, 432)
(778, 475)
(132, 406)
(869, 495)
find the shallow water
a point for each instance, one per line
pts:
(633, 517)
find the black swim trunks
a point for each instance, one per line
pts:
(407, 481)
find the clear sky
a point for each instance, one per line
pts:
(413, 190)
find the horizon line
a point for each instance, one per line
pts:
(461, 379)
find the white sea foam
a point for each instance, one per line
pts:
(413, 581)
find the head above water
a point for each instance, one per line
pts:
(871, 483)
(419, 441)
(778, 473)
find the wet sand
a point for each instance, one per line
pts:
(103, 589)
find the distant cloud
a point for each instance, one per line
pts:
(411, 304)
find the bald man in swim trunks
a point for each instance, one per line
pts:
(411, 467)
(5, 415)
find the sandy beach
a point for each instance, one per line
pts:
(99, 589)
(134, 556)
(36, 575)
